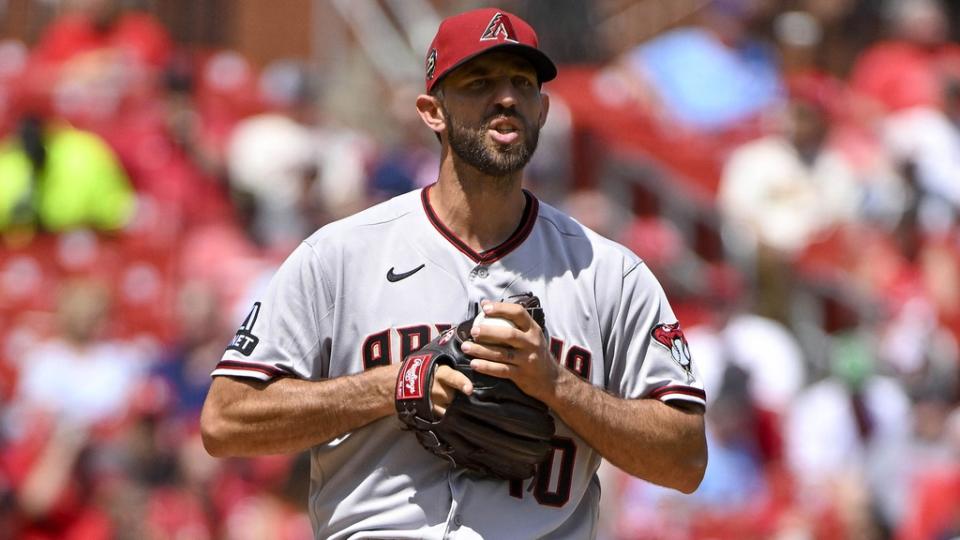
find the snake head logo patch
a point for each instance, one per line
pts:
(431, 63)
(671, 337)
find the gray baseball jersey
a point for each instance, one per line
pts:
(367, 290)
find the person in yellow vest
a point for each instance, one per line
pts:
(54, 178)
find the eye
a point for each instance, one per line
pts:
(477, 84)
(522, 82)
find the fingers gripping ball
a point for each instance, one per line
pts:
(497, 431)
(483, 319)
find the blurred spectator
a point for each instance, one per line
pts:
(75, 388)
(52, 370)
(184, 369)
(755, 364)
(736, 499)
(94, 25)
(94, 56)
(780, 192)
(916, 65)
(292, 171)
(785, 188)
(175, 162)
(161, 489)
(735, 477)
(911, 78)
(58, 178)
(926, 138)
(272, 163)
(221, 88)
(712, 76)
(55, 488)
(411, 160)
(771, 356)
(846, 436)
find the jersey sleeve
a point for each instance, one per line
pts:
(647, 353)
(284, 332)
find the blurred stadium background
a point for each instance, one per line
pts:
(790, 169)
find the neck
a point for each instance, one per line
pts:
(481, 210)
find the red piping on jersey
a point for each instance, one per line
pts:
(248, 366)
(685, 390)
(521, 233)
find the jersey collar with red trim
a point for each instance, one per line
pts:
(494, 254)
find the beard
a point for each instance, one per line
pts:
(470, 145)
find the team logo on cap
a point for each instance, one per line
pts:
(499, 27)
(671, 337)
(431, 63)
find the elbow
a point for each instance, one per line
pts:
(682, 469)
(214, 432)
(693, 475)
(694, 467)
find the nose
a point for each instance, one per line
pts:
(506, 93)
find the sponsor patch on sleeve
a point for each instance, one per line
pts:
(244, 341)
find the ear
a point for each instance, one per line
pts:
(544, 108)
(431, 112)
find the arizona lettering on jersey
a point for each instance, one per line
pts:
(367, 290)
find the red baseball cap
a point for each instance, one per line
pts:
(463, 37)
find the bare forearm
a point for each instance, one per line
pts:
(245, 418)
(48, 478)
(643, 437)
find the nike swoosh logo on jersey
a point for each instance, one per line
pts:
(391, 277)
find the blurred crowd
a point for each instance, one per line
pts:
(790, 170)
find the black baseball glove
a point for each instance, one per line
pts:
(496, 431)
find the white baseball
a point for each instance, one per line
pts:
(492, 321)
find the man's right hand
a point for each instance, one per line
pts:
(446, 383)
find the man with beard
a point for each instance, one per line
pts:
(315, 363)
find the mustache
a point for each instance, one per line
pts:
(503, 113)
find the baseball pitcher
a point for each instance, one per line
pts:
(459, 359)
